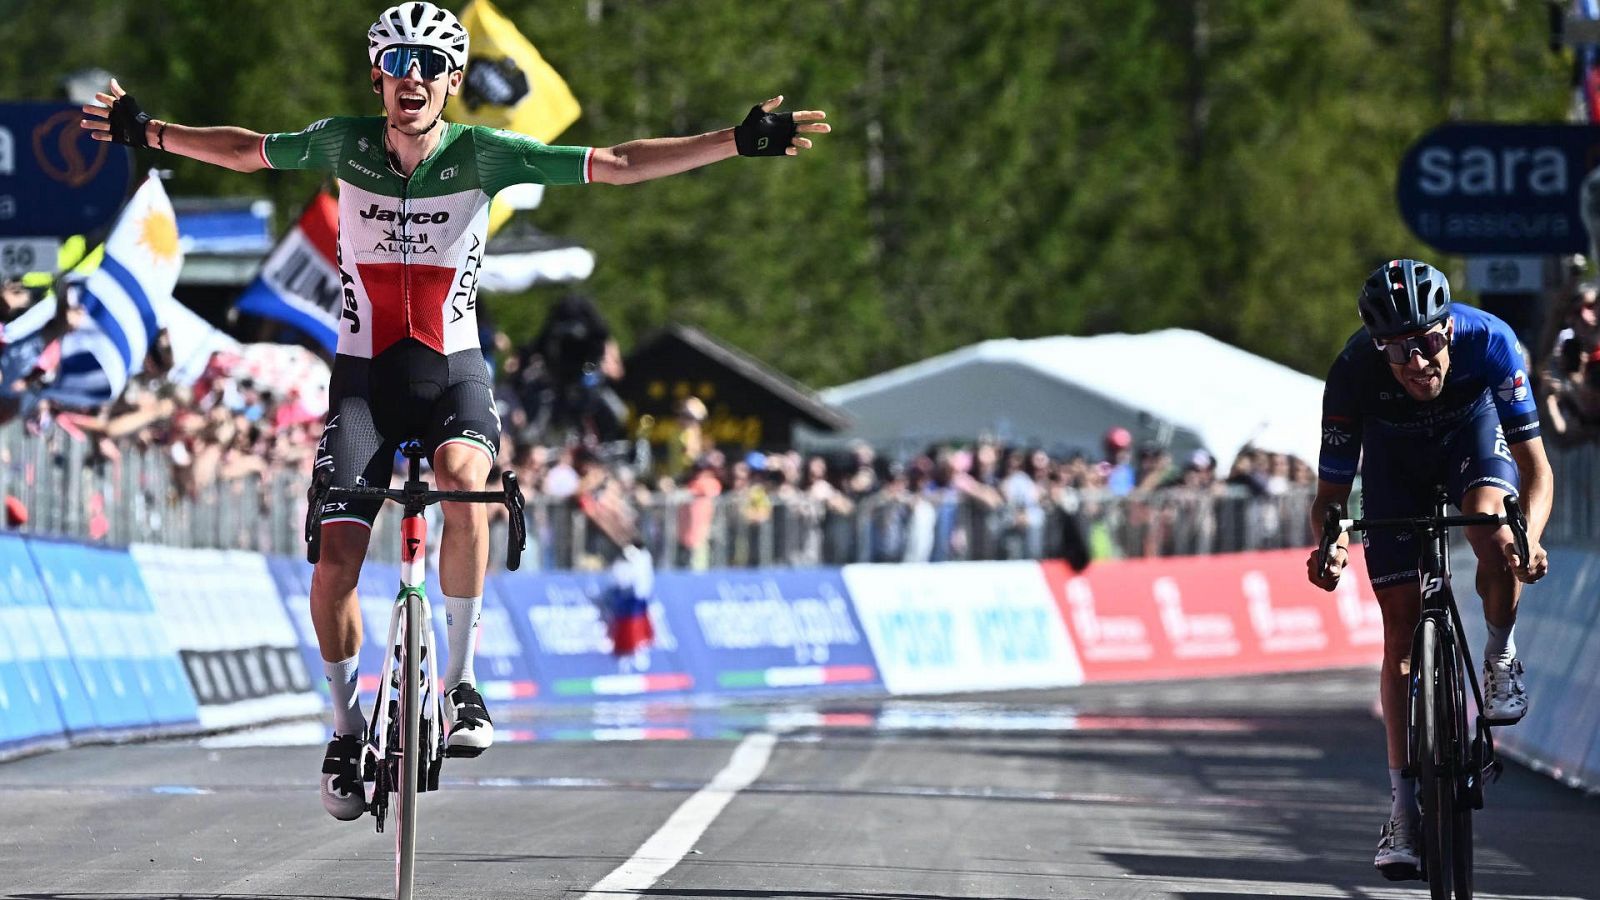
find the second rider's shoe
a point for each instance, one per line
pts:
(471, 731)
(343, 795)
(1505, 698)
(1397, 857)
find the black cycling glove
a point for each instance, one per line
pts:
(128, 122)
(764, 133)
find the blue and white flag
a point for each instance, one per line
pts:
(126, 295)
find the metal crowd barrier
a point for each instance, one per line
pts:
(72, 489)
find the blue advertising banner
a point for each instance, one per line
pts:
(19, 713)
(54, 180)
(561, 621)
(41, 649)
(1499, 189)
(766, 631)
(168, 694)
(101, 648)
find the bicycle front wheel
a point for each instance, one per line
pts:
(1466, 771)
(411, 755)
(1433, 723)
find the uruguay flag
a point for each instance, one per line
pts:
(124, 296)
(299, 281)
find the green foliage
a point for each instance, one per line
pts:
(1001, 167)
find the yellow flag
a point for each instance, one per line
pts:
(510, 86)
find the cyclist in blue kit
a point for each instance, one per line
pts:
(1430, 393)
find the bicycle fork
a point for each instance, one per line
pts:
(385, 724)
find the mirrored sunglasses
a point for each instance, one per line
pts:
(1429, 343)
(397, 61)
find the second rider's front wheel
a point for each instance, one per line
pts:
(1433, 723)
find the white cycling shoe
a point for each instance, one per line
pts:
(471, 730)
(344, 795)
(1398, 858)
(1505, 698)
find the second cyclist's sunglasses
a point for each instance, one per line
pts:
(1428, 343)
(396, 62)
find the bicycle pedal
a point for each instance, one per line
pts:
(463, 752)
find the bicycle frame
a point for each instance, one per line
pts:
(409, 747)
(1439, 605)
(1450, 769)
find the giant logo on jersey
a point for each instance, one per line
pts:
(1513, 389)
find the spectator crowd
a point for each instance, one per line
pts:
(694, 504)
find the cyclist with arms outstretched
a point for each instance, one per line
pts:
(1431, 393)
(414, 196)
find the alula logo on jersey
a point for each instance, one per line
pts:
(1513, 389)
(403, 217)
(1335, 436)
(411, 244)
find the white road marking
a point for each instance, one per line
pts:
(676, 837)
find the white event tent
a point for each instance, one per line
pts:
(1175, 387)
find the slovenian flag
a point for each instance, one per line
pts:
(628, 617)
(299, 281)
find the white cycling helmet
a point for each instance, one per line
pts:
(419, 24)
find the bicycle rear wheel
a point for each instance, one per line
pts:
(1433, 721)
(411, 755)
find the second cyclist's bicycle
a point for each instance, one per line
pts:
(1449, 761)
(406, 740)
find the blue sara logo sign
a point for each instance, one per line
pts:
(1498, 189)
(54, 180)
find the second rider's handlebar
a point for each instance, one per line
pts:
(1334, 524)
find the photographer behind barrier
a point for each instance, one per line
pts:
(580, 362)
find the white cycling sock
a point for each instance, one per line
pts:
(1403, 796)
(343, 678)
(1500, 645)
(461, 615)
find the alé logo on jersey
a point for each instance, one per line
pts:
(403, 217)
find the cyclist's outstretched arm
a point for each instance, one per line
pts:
(763, 133)
(233, 148)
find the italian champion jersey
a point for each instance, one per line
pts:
(410, 248)
(1363, 404)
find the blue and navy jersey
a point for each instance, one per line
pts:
(1362, 402)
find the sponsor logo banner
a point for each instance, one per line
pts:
(560, 619)
(221, 610)
(962, 626)
(1182, 617)
(768, 630)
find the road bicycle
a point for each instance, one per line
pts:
(405, 742)
(1449, 767)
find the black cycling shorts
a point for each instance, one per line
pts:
(408, 392)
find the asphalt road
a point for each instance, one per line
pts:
(1240, 788)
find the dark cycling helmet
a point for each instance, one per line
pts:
(1403, 295)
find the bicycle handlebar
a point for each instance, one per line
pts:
(509, 494)
(1334, 524)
